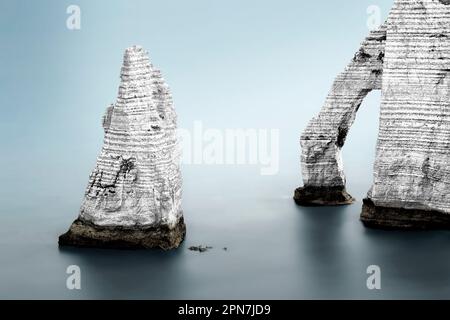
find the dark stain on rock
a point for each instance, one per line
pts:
(362, 56)
(440, 35)
(342, 134)
(377, 72)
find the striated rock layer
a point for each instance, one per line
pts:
(133, 198)
(409, 59)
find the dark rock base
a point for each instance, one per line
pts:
(373, 216)
(322, 196)
(85, 234)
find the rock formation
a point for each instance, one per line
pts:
(408, 58)
(133, 198)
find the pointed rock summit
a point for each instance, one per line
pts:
(408, 58)
(133, 198)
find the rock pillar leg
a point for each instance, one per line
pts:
(321, 142)
(412, 166)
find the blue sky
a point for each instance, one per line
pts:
(230, 64)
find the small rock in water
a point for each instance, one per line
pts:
(200, 248)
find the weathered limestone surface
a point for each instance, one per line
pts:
(133, 198)
(412, 166)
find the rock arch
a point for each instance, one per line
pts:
(324, 137)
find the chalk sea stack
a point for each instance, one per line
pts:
(133, 198)
(408, 59)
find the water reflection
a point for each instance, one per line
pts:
(136, 274)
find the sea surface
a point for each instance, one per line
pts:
(274, 250)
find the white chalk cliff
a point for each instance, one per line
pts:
(133, 197)
(408, 58)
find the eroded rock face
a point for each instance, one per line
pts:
(133, 198)
(412, 167)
